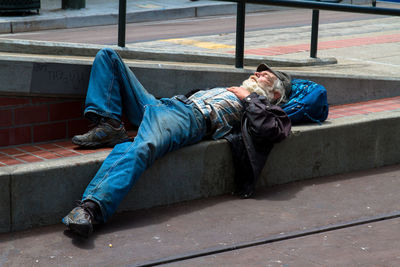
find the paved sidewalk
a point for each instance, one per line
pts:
(105, 12)
(222, 222)
(372, 244)
(367, 46)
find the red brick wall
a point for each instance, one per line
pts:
(32, 119)
(38, 119)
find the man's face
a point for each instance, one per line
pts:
(265, 79)
(262, 83)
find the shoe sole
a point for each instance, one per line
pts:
(81, 229)
(97, 144)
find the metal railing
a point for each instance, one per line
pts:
(314, 28)
(315, 5)
(121, 23)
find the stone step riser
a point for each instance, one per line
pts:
(63, 77)
(40, 194)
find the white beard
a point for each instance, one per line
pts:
(253, 87)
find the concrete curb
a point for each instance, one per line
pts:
(205, 169)
(87, 50)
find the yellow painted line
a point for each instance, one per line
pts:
(207, 45)
(148, 6)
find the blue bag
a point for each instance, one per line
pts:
(307, 102)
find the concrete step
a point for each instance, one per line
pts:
(41, 193)
(89, 50)
(55, 75)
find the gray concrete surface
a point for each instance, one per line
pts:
(362, 60)
(340, 145)
(218, 222)
(67, 75)
(374, 58)
(105, 12)
(5, 205)
(337, 146)
(150, 54)
(367, 245)
(61, 184)
(64, 181)
(146, 235)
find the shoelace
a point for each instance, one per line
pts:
(81, 204)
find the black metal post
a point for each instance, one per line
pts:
(240, 24)
(121, 23)
(314, 33)
(73, 4)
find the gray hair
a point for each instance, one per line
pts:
(278, 87)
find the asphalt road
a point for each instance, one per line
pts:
(150, 31)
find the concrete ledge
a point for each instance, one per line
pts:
(344, 89)
(194, 172)
(338, 146)
(39, 191)
(88, 50)
(201, 170)
(69, 76)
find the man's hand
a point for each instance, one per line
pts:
(240, 92)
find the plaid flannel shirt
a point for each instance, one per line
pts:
(222, 107)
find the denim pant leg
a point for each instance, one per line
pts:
(114, 88)
(164, 128)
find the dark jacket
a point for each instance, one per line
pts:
(262, 125)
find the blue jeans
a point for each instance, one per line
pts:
(164, 125)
